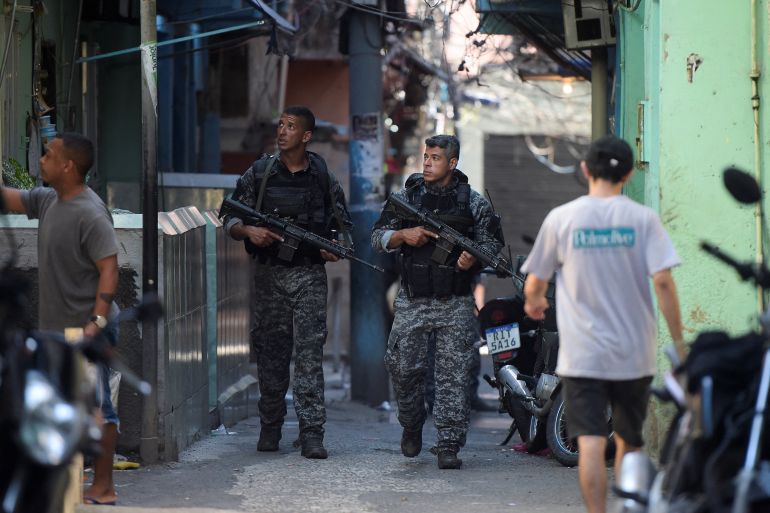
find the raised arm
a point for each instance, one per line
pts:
(12, 200)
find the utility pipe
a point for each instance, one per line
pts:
(368, 327)
(283, 77)
(758, 211)
(150, 439)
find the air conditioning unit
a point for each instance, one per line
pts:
(588, 23)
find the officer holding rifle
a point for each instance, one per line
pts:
(291, 279)
(439, 256)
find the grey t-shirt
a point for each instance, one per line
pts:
(72, 236)
(604, 251)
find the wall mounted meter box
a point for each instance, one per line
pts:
(588, 23)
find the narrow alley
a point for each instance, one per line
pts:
(365, 472)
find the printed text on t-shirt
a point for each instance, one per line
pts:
(618, 236)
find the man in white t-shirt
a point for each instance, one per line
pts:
(604, 248)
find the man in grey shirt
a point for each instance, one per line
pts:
(605, 248)
(77, 267)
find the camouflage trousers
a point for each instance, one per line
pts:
(454, 325)
(290, 314)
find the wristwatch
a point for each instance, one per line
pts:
(100, 321)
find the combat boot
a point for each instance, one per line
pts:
(313, 448)
(268, 439)
(411, 442)
(447, 459)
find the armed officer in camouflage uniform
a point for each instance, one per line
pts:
(291, 303)
(435, 300)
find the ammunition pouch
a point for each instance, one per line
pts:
(432, 280)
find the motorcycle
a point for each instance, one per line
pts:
(47, 402)
(524, 354)
(716, 455)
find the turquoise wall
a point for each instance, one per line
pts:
(692, 130)
(120, 102)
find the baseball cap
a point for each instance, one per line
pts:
(609, 157)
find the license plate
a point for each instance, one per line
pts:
(503, 338)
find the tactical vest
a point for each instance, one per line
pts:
(420, 275)
(298, 197)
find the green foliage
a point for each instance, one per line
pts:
(15, 175)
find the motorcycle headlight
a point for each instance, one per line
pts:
(50, 428)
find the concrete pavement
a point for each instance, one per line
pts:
(365, 472)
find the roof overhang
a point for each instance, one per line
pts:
(420, 63)
(217, 15)
(539, 21)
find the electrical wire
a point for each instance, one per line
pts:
(378, 12)
(74, 57)
(586, 7)
(8, 42)
(508, 63)
(220, 46)
(214, 16)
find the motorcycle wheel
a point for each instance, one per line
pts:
(562, 447)
(565, 449)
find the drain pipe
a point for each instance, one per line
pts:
(758, 212)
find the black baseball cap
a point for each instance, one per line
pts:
(610, 158)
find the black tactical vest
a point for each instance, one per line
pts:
(420, 275)
(298, 197)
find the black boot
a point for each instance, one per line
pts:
(411, 442)
(313, 448)
(268, 439)
(447, 459)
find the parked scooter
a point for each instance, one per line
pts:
(717, 451)
(524, 354)
(47, 404)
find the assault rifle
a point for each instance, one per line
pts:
(292, 234)
(449, 238)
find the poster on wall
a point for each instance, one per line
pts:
(366, 160)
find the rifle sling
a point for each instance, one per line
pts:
(263, 183)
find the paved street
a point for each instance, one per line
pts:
(364, 473)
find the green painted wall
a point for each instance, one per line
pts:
(120, 102)
(692, 130)
(631, 69)
(57, 27)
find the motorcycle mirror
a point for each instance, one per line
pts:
(741, 185)
(151, 308)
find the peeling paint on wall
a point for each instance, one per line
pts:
(697, 315)
(693, 63)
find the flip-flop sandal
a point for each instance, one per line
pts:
(91, 500)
